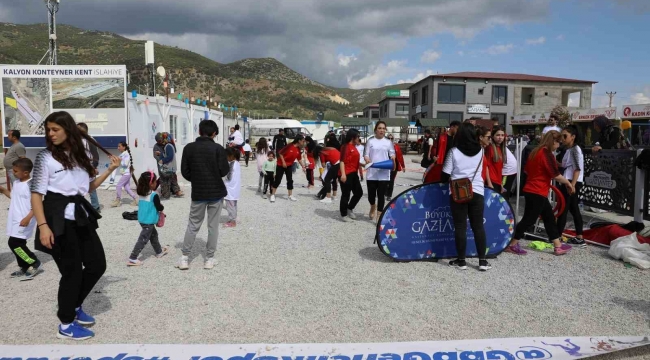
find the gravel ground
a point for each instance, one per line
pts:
(295, 273)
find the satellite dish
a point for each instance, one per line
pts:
(161, 71)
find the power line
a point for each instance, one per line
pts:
(611, 97)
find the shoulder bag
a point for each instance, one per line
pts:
(461, 189)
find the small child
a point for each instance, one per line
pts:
(233, 185)
(269, 172)
(149, 208)
(125, 170)
(247, 151)
(21, 221)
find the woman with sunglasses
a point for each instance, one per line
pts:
(573, 164)
(66, 221)
(399, 166)
(541, 169)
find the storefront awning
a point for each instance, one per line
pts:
(354, 122)
(396, 122)
(434, 122)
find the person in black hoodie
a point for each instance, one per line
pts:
(466, 161)
(204, 164)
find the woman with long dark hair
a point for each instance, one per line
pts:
(331, 156)
(541, 168)
(286, 157)
(378, 149)
(495, 157)
(261, 151)
(310, 162)
(349, 176)
(66, 221)
(466, 161)
(573, 164)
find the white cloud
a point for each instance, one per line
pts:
(499, 49)
(345, 61)
(540, 40)
(377, 75)
(641, 97)
(461, 53)
(417, 77)
(430, 56)
(560, 37)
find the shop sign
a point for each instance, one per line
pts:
(636, 111)
(586, 115)
(532, 119)
(478, 109)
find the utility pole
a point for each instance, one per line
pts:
(611, 97)
(52, 8)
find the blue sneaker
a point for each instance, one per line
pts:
(83, 318)
(75, 332)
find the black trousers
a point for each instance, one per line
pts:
(537, 205)
(391, 185)
(268, 179)
(81, 261)
(329, 182)
(510, 181)
(310, 176)
(474, 211)
(351, 185)
(24, 256)
(572, 204)
(247, 155)
(279, 173)
(377, 189)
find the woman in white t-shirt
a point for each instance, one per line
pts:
(509, 173)
(66, 221)
(466, 161)
(378, 149)
(573, 164)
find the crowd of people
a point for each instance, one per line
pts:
(48, 196)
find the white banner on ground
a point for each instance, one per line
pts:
(487, 349)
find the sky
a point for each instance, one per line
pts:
(373, 43)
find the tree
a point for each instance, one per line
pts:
(563, 115)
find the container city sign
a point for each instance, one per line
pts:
(586, 115)
(478, 109)
(532, 119)
(397, 93)
(636, 111)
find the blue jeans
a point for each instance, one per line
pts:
(94, 200)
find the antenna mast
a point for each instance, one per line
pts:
(52, 8)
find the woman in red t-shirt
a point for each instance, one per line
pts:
(332, 156)
(349, 177)
(286, 157)
(494, 158)
(541, 168)
(309, 155)
(399, 166)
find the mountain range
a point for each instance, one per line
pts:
(263, 86)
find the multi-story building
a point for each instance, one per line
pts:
(463, 95)
(371, 112)
(394, 107)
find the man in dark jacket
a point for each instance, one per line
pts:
(279, 141)
(204, 164)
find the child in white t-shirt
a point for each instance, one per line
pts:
(247, 151)
(233, 185)
(21, 222)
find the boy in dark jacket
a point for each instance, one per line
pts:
(204, 164)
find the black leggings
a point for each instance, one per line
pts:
(537, 205)
(247, 155)
(79, 255)
(377, 189)
(572, 204)
(329, 182)
(279, 172)
(310, 176)
(391, 185)
(510, 181)
(474, 211)
(353, 185)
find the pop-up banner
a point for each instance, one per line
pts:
(417, 225)
(92, 94)
(487, 349)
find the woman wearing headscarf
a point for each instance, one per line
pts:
(610, 135)
(165, 154)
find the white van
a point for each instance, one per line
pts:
(268, 128)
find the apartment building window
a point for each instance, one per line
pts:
(401, 109)
(414, 99)
(375, 114)
(451, 116)
(528, 96)
(499, 95)
(424, 115)
(451, 94)
(425, 95)
(385, 110)
(501, 117)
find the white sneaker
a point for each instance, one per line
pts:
(333, 198)
(326, 200)
(292, 198)
(264, 197)
(272, 198)
(351, 215)
(345, 219)
(209, 263)
(183, 263)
